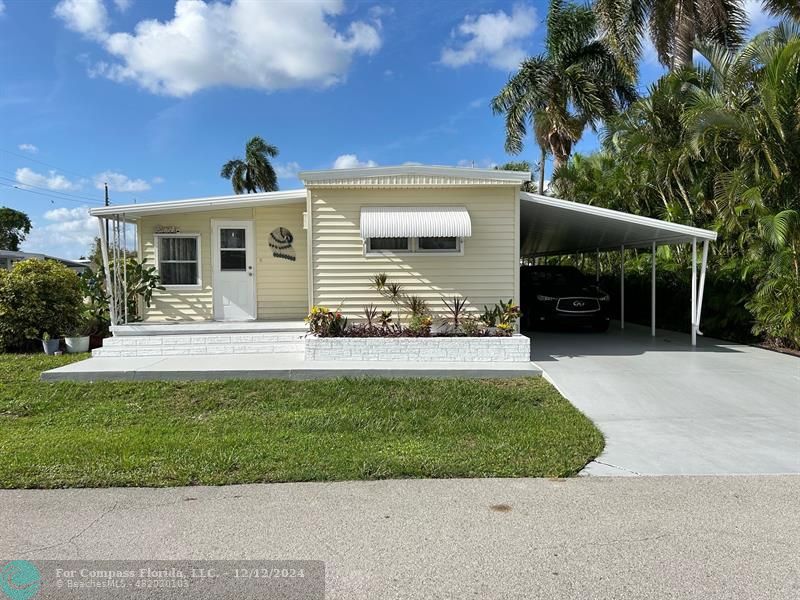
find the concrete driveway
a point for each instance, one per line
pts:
(668, 408)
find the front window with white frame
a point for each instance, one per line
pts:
(178, 259)
(420, 245)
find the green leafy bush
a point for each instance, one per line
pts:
(38, 297)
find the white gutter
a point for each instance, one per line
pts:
(131, 211)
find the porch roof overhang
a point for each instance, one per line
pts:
(551, 226)
(414, 221)
(133, 212)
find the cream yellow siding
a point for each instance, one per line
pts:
(281, 285)
(486, 272)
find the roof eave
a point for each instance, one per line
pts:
(134, 211)
(512, 177)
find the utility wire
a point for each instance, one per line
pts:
(24, 186)
(41, 162)
(46, 195)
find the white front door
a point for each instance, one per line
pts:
(234, 271)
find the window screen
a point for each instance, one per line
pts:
(388, 244)
(177, 260)
(438, 244)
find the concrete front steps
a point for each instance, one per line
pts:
(214, 339)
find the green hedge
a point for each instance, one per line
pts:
(37, 297)
(724, 315)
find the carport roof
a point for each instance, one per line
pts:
(551, 226)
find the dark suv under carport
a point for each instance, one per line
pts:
(553, 296)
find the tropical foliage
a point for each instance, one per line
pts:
(672, 27)
(717, 145)
(574, 84)
(14, 226)
(255, 173)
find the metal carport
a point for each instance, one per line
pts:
(552, 227)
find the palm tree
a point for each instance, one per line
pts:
(783, 8)
(575, 83)
(255, 173)
(673, 27)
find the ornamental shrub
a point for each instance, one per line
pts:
(38, 297)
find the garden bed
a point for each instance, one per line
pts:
(514, 348)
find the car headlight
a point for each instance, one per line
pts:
(604, 298)
(541, 298)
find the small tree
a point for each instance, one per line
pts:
(14, 226)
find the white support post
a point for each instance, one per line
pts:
(125, 267)
(622, 286)
(694, 291)
(653, 293)
(597, 265)
(702, 285)
(106, 267)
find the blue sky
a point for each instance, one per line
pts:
(153, 97)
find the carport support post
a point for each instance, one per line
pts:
(597, 266)
(653, 293)
(694, 292)
(622, 286)
(703, 262)
(103, 223)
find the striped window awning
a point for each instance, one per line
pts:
(415, 221)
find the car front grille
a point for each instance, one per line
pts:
(578, 305)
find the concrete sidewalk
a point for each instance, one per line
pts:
(288, 365)
(600, 538)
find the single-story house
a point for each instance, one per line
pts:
(8, 258)
(438, 231)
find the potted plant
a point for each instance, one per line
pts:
(77, 340)
(50, 345)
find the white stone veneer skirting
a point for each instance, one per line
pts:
(516, 348)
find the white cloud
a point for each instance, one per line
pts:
(51, 181)
(68, 233)
(2, 7)
(118, 182)
(378, 11)
(28, 148)
(496, 39)
(262, 45)
(287, 170)
(123, 5)
(88, 17)
(157, 180)
(350, 161)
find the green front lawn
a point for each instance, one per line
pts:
(221, 432)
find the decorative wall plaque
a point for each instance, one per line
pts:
(280, 240)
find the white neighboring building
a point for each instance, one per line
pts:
(8, 258)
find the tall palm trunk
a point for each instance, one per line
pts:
(541, 170)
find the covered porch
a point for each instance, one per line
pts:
(219, 259)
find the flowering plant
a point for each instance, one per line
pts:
(325, 323)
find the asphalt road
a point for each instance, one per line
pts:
(609, 537)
